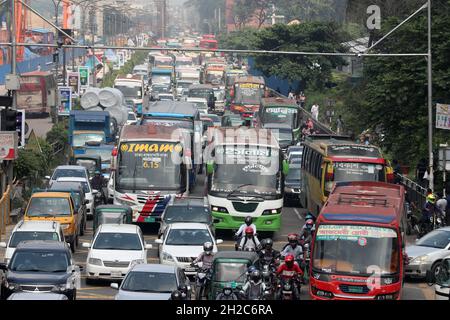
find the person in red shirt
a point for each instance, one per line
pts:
(290, 270)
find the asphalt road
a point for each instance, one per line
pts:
(292, 220)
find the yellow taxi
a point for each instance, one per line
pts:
(56, 206)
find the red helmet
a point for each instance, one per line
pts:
(292, 237)
(249, 231)
(289, 258)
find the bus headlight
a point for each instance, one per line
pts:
(271, 212)
(219, 209)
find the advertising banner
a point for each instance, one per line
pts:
(83, 73)
(73, 81)
(65, 101)
(8, 145)
(443, 116)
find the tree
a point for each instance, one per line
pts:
(243, 11)
(261, 12)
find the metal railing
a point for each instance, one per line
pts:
(5, 210)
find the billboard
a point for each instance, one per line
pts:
(83, 74)
(73, 81)
(443, 116)
(65, 101)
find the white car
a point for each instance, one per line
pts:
(115, 249)
(68, 171)
(166, 97)
(182, 243)
(31, 230)
(132, 119)
(200, 103)
(90, 193)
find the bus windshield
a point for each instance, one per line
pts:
(146, 165)
(284, 115)
(351, 249)
(201, 93)
(249, 93)
(249, 167)
(130, 92)
(183, 124)
(358, 171)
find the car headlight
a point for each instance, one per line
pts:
(420, 259)
(137, 261)
(12, 286)
(288, 190)
(125, 202)
(95, 261)
(271, 211)
(61, 287)
(167, 257)
(65, 226)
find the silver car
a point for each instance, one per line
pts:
(427, 251)
(151, 282)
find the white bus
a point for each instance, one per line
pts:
(246, 174)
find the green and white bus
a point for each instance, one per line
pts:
(246, 174)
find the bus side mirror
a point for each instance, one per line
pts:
(285, 167)
(210, 168)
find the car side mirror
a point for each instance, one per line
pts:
(86, 245)
(47, 177)
(3, 266)
(3, 245)
(219, 241)
(94, 192)
(115, 286)
(158, 241)
(148, 246)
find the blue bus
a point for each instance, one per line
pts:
(182, 115)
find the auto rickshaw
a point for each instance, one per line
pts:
(91, 163)
(230, 269)
(112, 214)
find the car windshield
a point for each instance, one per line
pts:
(161, 79)
(117, 241)
(188, 237)
(354, 249)
(19, 236)
(84, 185)
(149, 165)
(41, 261)
(80, 139)
(48, 207)
(68, 173)
(229, 272)
(283, 136)
(130, 92)
(187, 214)
(90, 165)
(184, 85)
(157, 282)
(201, 93)
(280, 115)
(438, 239)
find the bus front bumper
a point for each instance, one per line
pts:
(262, 223)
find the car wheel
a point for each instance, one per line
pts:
(436, 269)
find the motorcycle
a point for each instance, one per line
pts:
(286, 289)
(236, 293)
(202, 280)
(412, 222)
(307, 258)
(268, 271)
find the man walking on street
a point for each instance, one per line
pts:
(315, 112)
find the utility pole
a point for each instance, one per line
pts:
(220, 20)
(13, 50)
(430, 101)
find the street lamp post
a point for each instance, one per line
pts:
(430, 101)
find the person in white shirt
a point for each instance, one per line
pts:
(315, 111)
(442, 205)
(248, 223)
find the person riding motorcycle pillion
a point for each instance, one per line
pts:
(250, 241)
(206, 257)
(290, 270)
(227, 294)
(247, 223)
(254, 288)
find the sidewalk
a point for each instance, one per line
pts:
(5, 238)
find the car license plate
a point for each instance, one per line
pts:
(189, 269)
(149, 219)
(355, 289)
(116, 274)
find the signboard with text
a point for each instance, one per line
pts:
(84, 77)
(73, 81)
(65, 101)
(443, 116)
(8, 145)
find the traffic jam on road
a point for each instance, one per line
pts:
(205, 187)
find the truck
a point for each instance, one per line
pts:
(162, 76)
(149, 169)
(38, 93)
(132, 87)
(89, 128)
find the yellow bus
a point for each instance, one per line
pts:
(328, 159)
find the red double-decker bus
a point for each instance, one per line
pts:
(358, 244)
(209, 44)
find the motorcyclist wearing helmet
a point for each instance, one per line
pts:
(307, 232)
(97, 183)
(268, 254)
(250, 242)
(293, 248)
(429, 210)
(176, 295)
(227, 294)
(206, 257)
(290, 270)
(247, 223)
(254, 288)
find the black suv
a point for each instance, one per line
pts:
(40, 266)
(186, 209)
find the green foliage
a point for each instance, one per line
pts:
(58, 135)
(137, 58)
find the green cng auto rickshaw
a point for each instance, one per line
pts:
(91, 163)
(112, 214)
(230, 269)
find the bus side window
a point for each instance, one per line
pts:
(319, 167)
